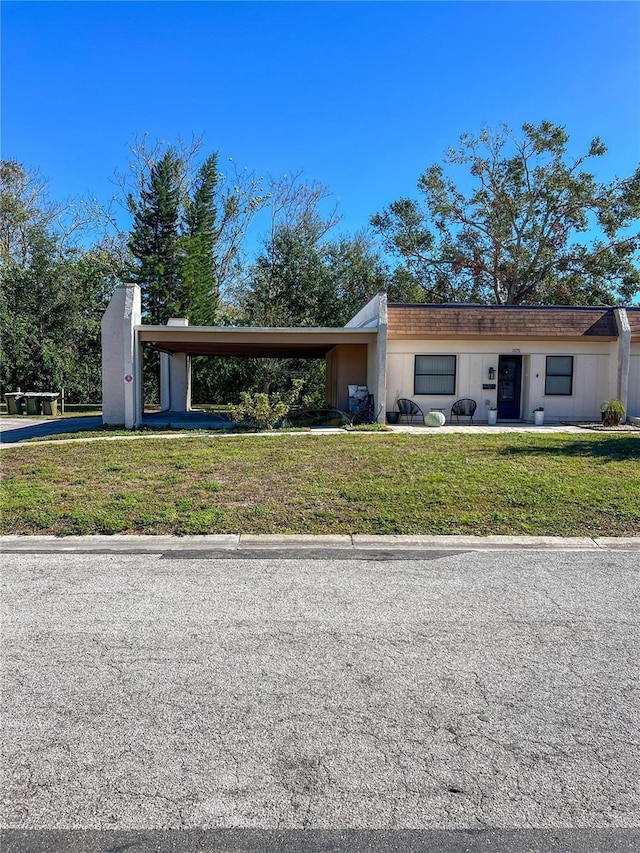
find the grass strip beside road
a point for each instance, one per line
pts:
(565, 485)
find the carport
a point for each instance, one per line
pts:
(351, 353)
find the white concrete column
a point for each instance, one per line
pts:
(624, 355)
(179, 382)
(139, 383)
(380, 389)
(120, 370)
(165, 399)
(175, 377)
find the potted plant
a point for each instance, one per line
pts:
(612, 413)
(538, 416)
(394, 415)
(492, 415)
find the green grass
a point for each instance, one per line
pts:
(108, 431)
(348, 483)
(74, 410)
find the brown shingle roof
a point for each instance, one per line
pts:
(634, 321)
(470, 321)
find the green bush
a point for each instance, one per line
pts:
(612, 412)
(264, 410)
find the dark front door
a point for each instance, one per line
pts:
(509, 385)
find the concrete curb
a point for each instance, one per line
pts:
(357, 542)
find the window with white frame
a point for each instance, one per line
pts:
(435, 374)
(558, 380)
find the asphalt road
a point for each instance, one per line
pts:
(442, 699)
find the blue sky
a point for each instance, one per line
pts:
(361, 96)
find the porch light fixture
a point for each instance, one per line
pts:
(492, 373)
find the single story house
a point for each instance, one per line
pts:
(567, 359)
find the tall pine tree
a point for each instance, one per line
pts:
(155, 241)
(198, 257)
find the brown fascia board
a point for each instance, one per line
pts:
(464, 321)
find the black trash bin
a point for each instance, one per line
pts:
(50, 404)
(15, 403)
(34, 404)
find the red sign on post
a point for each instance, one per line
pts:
(128, 378)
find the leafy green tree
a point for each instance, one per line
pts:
(53, 292)
(535, 228)
(289, 283)
(302, 280)
(218, 379)
(50, 310)
(356, 273)
(404, 286)
(94, 274)
(26, 211)
(22, 211)
(303, 276)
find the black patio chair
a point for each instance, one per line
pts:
(409, 409)
(465, 408)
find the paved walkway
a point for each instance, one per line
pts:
(13, 431)
(489, 430)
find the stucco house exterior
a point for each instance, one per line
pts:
(567, 360)
(516, 358)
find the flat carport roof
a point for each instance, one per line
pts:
(252, 342)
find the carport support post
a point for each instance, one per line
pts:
(165, 401)
(175, 377)
(381, 361)
(139, 383)
(624, 354)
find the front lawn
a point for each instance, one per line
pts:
(349, 483)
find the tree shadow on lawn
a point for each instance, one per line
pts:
(55, 426)
(614, 449)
